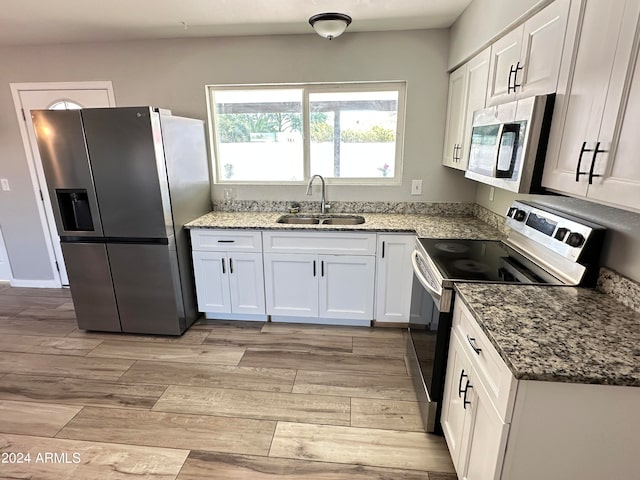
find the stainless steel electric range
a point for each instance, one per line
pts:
(544, 247)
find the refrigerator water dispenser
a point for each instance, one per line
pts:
(74, 210)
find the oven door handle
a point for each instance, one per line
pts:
(420, 276)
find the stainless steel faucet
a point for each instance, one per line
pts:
(323, 204)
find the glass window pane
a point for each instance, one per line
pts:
(353, 134)
(65, 105)
(259, 134)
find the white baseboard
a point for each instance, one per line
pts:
(35, 283)
(232, 316)
(321, 321)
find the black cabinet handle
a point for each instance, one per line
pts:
(466, 402)
(224, 270)
(382, 249)
(472, 342)
(226, 241)
(460, 389)
(596, 151)
(322, 268)
(231, 265)
(582, 150)
(314, 268)
(515, 76)
(509, 87)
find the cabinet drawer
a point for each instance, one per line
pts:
(493, 372)
(226, 240)
(350, 243)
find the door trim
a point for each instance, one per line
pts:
(16, 88)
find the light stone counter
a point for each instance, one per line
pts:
(433, 226)
(559, 334)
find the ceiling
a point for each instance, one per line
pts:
(32, 22)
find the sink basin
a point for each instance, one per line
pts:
(319, 219)
(344, 220)
(298, 220)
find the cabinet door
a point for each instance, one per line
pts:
(394, 278)
(477, 78)
(453, 412)
(246, 281)
(212, 284)
(291, 284)
(581, 99)
(617, 169)
(455, 117)
(346, 287)
(505, 55)
(541, 50)
(487, 437)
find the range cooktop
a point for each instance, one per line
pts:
(483, 261)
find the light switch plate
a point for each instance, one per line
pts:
(416, 187)
(5, 184)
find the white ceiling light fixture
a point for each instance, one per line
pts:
(330, 25)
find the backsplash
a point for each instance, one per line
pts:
(491, 218)
(624, 290)
(422, 208)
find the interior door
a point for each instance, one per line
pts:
(57, 97)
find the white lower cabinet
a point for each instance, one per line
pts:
(228, 271)
(322, 286)
(394, 277)
(320, 277)
(497, 427)
(474, 431)
(229, 282)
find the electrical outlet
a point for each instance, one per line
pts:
(416, 187)
(5, 184)
(492, 193)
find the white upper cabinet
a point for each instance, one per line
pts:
(467, 93)
(526, 61)
(455, 117)
(593, 145)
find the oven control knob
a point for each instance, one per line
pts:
(511, 211)
(561, 233)
(575, 239)
(520, 215)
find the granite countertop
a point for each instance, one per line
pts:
(433, 226)
(560, 334)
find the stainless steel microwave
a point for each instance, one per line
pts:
(509, 142)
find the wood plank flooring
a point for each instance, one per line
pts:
(227, 400)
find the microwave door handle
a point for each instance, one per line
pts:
(513, 128)
(497, 157)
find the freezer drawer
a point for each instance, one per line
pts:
(147, 286)
(91, 286)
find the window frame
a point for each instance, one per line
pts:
(399, 86)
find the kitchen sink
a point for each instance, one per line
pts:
(321, 219)
(298, 219)
(344, 220)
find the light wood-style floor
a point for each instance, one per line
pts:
(227, 400)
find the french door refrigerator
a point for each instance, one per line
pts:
(122, 183)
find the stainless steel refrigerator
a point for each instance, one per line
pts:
(123, 182)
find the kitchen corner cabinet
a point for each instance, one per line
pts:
(315, 276)
(594, 145)
(228, 273)
(497, 427)
(526, 61)
(394, 277)
(467, 93)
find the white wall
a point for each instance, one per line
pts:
(173, 73)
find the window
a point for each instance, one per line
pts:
(348, 133)
(65, 105)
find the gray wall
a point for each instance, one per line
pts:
(172, 74)
(484, 19)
